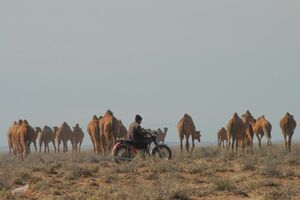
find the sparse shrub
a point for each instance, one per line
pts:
(272, 168)
(285, 193)
(179, 195)
(224, 184)
(248, 163)
(75, 172)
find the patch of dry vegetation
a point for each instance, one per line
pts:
(208, 173)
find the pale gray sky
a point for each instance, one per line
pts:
(67, 60)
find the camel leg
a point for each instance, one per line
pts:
(187, 144)
(40, 146)
(53, 142)
(58, 146)
(285, 141)
(290, 142)
(236, 146)
(48, 150)
(34, 143)
(259, 140)
(232, 145)
(193, 146)
(181, 148)
(45, 147)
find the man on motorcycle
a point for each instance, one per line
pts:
(136, 133)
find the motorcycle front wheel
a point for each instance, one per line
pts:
(162, 151)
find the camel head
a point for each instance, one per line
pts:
(55, 129)
(196, 135)
(289, 115)
(235, 115)
(38, 129)
(109, 112)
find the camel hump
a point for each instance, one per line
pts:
(95, 117)
(109, 112)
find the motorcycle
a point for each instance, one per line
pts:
(124, 150)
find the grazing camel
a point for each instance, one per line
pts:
(186, 128)
(262, 127)
(236, 132)
(161, 135)
(9, 137)
(46, 136)
(248, 119)
(222, 137)
(288, 125)
(63, 134)
(108, 131)
(76, 138)
(94, 132)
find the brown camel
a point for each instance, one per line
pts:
(76, 138)
(122, 132)
(21, 138)
(236, 132)
(161, 135)
(186, 128)
(222, 137)
(94, 132)
(248, 119)
(108, 131)
(288, 125)
(15, 138)
(46, 136)
(63, 134)
(32, 136)
(262, 127)
(9, 137)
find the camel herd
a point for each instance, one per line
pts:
(105, 130)
(240, 131)
(20, 136)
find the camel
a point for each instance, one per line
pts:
(76, 138)
(222, 137)
(46, 135)
(108, 131)
(9, 137)
(122, 132)
(161, 135)
(186, 128)
(63, 134)
(236, 132)
(248, 119)
(21, 138)
(94, 132)
(288, 125)
(15, 137)
(262, 127)
(32, 136)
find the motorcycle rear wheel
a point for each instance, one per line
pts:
(122, 154)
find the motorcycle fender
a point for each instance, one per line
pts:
(116, 146)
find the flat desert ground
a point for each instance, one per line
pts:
(209, 173)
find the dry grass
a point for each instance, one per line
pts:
(270, 173)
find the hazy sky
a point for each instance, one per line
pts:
(67, 60)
